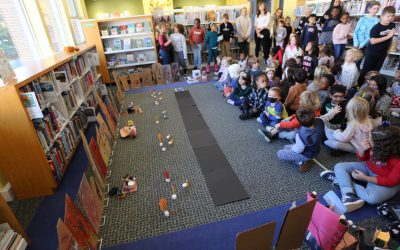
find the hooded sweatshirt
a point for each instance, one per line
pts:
(308, 140)
(239, 92)
(354, 133)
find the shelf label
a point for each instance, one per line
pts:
(89, 24)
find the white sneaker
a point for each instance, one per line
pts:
(269, 128)
(230, 102)
(259, 120)
(395, 114)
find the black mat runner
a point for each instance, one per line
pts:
(222, 182)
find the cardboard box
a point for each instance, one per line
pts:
(167, 73)
(158, 76)
(134, 79)
(175, 72)
(124, 81)
(147, 78)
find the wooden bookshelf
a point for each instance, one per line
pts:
(7, 216)
(92, 30)
(23, 157)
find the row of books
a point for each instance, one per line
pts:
(88, 80)
(48, 126)
(11, 240)
(67, 72)
(81, 64)
(70, 98)
(121, 59)
(65, 144)
(126, 44)
(124, 29)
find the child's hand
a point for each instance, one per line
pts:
(392, 33)
(255, 110)
(360, 176)
(266, 113)
(365, 144)
(336, 110)
(241, 97)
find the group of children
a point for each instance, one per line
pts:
(317, 99)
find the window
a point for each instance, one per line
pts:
(56, 28)
(16, 37)
(75, 16)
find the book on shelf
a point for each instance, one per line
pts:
(148, 42)
(49, 92)
(123, 29)
(32, 105)
(93, 59)
(130, 58)
(9, 239)
(139, 27)
(131, 28)
(146, 26)
(80, 64)
(70, 99)
(117, 44)
(139, 43)
(391, 63)
(127, 44)
(87, 82)
(133, 44)
(114, 30)
(62, 80)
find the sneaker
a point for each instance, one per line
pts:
(352, 202)
(330, 176)
(230, 102)
(395, 114)
(304, 166)
(267, 135)
(259, 120)
(244, 116)
(269, 128)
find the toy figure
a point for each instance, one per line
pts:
(163, 206)
(173, 196)
(129, 184)
(185, 184)
(167, 177)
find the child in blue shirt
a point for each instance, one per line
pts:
(308, 140)
(310, 31)
(254, 70)
(274, 110)
(330, 24)
(361, 34)
(211, 43)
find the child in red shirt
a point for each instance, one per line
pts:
(379, 169)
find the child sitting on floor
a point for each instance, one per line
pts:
(242, 90)
(233, 76)
(254, 70)
(379, 168)
(243, 61)
(293, 98)
(254, 104)
(337, 94)
(325, 83)
(222, 74)
(349, 75)
(308, 140)
(272, 79)
(326, 56)
(318, 73)
(310, 59)
(274, 110)
(384, 100)
(358, 128)
(288, 127)
(371, 95)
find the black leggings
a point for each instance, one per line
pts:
(248, 109)
(372, 61)
(265, 41)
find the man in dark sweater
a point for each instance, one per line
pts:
(226, 30)
(308, 140)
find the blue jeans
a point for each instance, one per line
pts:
(237, 101)
(197, 55)
(164, 57)
(180, 58)
(372, 193)
(266, 121)
(212, 55)
(338, 50)
(219, 86)
(287, 154)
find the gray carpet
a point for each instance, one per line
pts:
(24, 210)
(268, 181)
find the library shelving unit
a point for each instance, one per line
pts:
(7, 216)
(122, 43)
(358, 9)
(41, 113)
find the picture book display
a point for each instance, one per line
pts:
(66, 240)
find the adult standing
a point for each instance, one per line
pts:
(243, 28)
(275, 19)
(262, 33)
(303, 21)
(196, 40)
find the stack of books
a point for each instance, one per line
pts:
(9, 239)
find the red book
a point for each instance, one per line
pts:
(101, 166)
